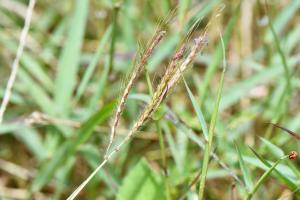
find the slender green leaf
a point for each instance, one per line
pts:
(217, 56)
(275, 150)
(198, 111)
(91, 68)
(69, 59)
(213, 121)
(246, 174)
(264, 177)
(281, 173)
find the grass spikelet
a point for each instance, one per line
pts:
(135, 74)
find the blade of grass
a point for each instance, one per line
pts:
(69, 59)
(264, 177)
(100, 86)
(217, 56)
(282, 57)
(208, 144)
(37, 93)
(281, 176)
(246, 175)
(199, 113)
(91, 68)
(275, 150)
(283, 18)
(114, 35)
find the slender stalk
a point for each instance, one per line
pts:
(208, 144)
(15, 65)
(207, 149)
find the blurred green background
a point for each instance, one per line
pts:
(77, 60)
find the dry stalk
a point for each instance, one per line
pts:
(15, 65)
(135, 74)
(38, 118)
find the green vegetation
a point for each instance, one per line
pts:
(133, 100)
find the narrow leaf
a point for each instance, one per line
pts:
(69, 60)
(198, 111)
(245, 171)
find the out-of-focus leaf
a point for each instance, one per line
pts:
(68, 149)
(142, 183)
(275, 150)
(245, 171)
(69, 60)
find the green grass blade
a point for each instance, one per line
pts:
(284, 17)
(114, 35)
(208, 144)
(100, 86)
(284, 178)
(264, 177)
(91, 68)
(69, 60)
(246, 175)
(197, 108)
(37, 93)
(282, 57)
(217, 56)
(33, 141)
(142, 183)
(275, 150)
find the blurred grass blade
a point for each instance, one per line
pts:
(203, 12)
(283, 18)
(182, 11)
(33, 141)
(62, 175)
(217, 56)
(246, 175)
(283, 177)
(91, 68)
(68, 149)
(93, 157)
(213, 121)
(264, 176)
(142, 183)
(198, 111)
(100, 86)
(275, 150)
(242, 88)
(37, 93)
(69, 59)
(283, 59)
